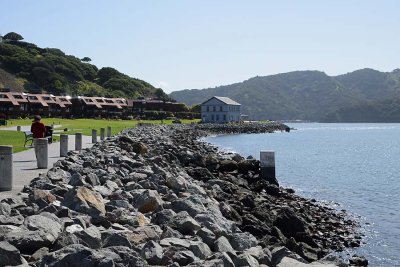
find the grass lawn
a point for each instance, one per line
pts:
(84, 126)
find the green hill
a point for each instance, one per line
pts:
(51, 70)
(303, 95)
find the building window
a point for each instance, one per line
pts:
(217, 117)
(214, 109)
(212, 117)
(224, 117)
(208, 108)
(220, 108)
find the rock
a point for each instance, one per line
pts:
(192, 204)
(242, 241)
(145, 233)
(185, 223)
(218, 224)
(207, 236)
(115, 239)
(84, 200)
(222, 245)
(169, 232)
(140, 148)
(184, 257)
(289, 223)
(5, 209)
(76, 180)
(58, 175)
(177, 183)
(152, 253)
(176, 242)
(9, 255)
(200, 250)
(72, 255)
(90, 237)
(147, 201)
(358, 261)
(42, 198)
(246, 260)
(228, 166)
(92, 179)
(219, 259)
(279, 253)
(11, 220)
(74, 228)
(40, 253)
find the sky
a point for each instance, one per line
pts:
(195, 44)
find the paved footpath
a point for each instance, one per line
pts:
(25, 165)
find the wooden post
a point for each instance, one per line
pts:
(18, 128)
(6, 168)
(109, 131)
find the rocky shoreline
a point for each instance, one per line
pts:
(156, 195)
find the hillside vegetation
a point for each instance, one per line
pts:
(310, 95)
(50, 70)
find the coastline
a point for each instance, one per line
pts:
(162, 192)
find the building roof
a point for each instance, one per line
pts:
(225, 100)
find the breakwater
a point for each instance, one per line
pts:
(158, 196)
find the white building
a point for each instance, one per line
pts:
(220, 109)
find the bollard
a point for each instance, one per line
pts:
(267, 166)
(78, 141)
(6, 168)
(63, 145)
(108, 131)
(42, 152)
(102, 133)
(94, 136)
(18, 128)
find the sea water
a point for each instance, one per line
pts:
(351, 166)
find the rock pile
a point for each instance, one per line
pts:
(157, 196)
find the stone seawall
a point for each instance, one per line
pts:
(158, 196)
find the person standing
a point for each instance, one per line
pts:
(38, 130)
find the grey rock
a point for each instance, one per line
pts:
(169, 232)
(177, 183)
(11, 220)
(152, 253)
(92, 179)
(144, 233)
(207, 236)
(279, 253)
(74, 228)
(242, 241)
(185, 223)
(193, 205)
(5, 209)
(9, 255)
(90, 237)
(40, 253)
(76, 180)
(222, 245)
(184, 257)
(115, 239)
(84, 200)
(176, 242)
(200, 249)
(147, 201)
(245, 259)
(218, 224)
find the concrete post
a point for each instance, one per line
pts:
(109, 131)
(63, 145)
(42, 152)
(94, 136)
(78, 141)
(102, 133)
(6, 168)
(18, 128)
(267, 165)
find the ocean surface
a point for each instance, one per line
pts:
(350, 166)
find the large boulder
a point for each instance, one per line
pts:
(84, 200)
(146, 200)
(152, 253)
(9, 255)
(242, 241)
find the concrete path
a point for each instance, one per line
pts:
(25, 165)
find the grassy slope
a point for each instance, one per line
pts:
(85, 126)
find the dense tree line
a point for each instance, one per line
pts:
(310, 95)
(51, 70)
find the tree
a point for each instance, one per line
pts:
(86, 59)
(13, 36)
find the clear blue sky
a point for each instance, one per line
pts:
(179, 44)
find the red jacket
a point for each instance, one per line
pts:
(38, 129)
